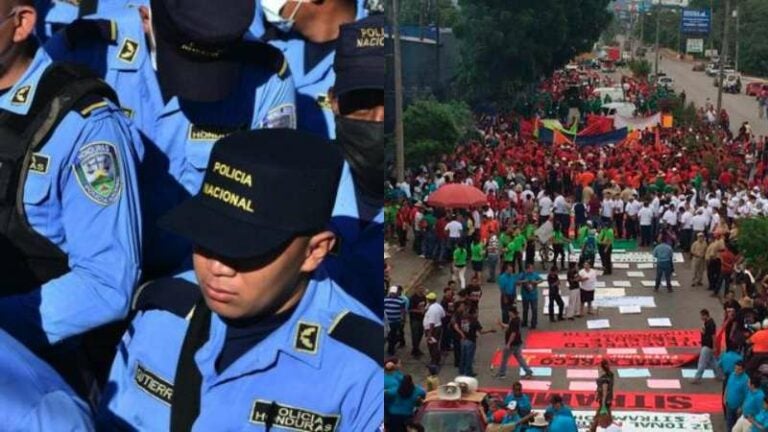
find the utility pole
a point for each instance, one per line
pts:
(438, 77)
(658, 25)
(737, 15)
(711, 17)
(723, 55)
(398, 72)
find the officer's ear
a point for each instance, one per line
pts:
(146, 19)
(24, 20)
(318, 248)
(334, 101)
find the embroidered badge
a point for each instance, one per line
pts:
(128, 50)
(39, 163)
(153, 384)
(21, 95)
(307, 337)
(283, 116)
(98, 172)
(292, 418)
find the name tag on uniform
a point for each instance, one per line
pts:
(153, 384)
(209, 133)
(292, 418)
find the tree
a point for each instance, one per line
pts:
(508, 44)
(434, 128)
(422, 12)
(640, 68)
(751, 241)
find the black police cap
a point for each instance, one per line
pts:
(359, 62)
(261, 189)
(195, 40)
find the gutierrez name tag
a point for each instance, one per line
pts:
(291, 418)
(153, 384)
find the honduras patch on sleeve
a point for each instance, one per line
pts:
(281, 117)
(97, 169)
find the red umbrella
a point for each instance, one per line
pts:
(457, 196)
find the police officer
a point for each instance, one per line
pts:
(306, 32)
(33, 397)
(69, 204)
(357, 100)
(270, 323)
(186, 78)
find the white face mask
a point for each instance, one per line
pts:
(272, 10)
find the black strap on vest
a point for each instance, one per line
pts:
(185, 402)
(28, 258)
(87, 7)
(362, 334)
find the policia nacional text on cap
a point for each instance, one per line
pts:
(279, 324)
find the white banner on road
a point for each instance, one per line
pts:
(610, 302)
(694, 46)
(645, 421)
(673, 3)
(630, 257)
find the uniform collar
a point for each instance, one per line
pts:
(313, 312)
(19, 98)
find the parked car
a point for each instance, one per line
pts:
(666, 82)
(699, 67)
(755, 88)
(640, 52)
(712, 69)
(623, 109)
(732, 83)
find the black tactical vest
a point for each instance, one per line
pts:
(28, 259)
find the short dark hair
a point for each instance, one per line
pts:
(513, 309)
(556, 398)
(704, 312)
(739, 363)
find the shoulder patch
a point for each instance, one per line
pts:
(39, 163)
(360, 333)
(97, 169)
(307, 337)
(323, 101)
(280, 117)
(292, 418)
(129, 50)
(21, 96)
(267, 55)
(175, 295)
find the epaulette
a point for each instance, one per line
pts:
(267, 55)
(89, 30)
(90, 103)
(359, 333)
(174, 295)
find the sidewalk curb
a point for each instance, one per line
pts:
(423, 274)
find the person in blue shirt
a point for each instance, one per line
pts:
(357, 101)
(403, 402)
(736, 388)
(522, 400)
(238, 347)
(728, 361)
(528, 282)
(185, 77)
(70, 208)
(556, 407)
(753, 404)
(33, 396)
(306, 33)
(562, 423)
(508, 288)
(663, 255)
(760, 421)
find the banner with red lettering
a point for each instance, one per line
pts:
(593, 360)
(689, 338)
(635, 401)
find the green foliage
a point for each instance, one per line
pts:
(508, 44)
(752, 241)
(686, 116)
(433, 128)
(640, 68)
(422, 12)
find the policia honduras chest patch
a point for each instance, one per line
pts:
(97, 169)
(154, 385)
(292, 418)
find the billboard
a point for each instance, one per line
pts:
(694, 46)
(695, 21)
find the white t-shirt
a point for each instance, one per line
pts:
(633, 207)
(454, 229)
(434, 315)
(714, 222)
(699, 222)
(608, 207)
(561, 206)
(645, 215)
(545, 206)
(618, 204)
(687, 220)
(490, 185)
(670, 217)
(591, 275)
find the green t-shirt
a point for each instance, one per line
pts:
(390, 213)
(504, 240)
(431, 220)
(558, 238)
(529, 231)
(606, 236)
(460, 257)
(478, 251)
(583, 231)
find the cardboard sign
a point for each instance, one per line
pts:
(615, 339)
(593, 360)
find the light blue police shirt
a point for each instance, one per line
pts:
(33, 396)
(98, 228)
(313, 381)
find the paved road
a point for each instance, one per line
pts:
(698, 87)
(681, 306)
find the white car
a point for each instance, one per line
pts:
(623, 109)
(666, 82)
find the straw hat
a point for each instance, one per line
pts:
(539, 420)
